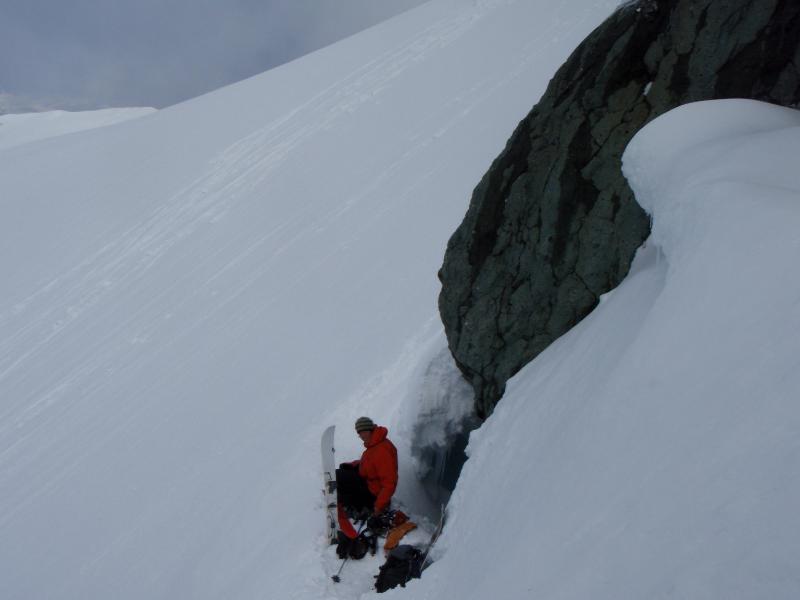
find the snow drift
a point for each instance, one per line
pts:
(652, 451)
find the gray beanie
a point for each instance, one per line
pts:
(364, 424)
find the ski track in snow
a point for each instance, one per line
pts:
(61, 305)
(237, 171)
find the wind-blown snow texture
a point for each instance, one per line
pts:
(652, 452)
(189, 298)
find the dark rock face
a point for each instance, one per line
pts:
(553, 224)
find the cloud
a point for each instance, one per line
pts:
(157, 52)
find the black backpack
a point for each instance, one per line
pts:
(402, 564)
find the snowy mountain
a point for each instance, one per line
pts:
(30, 127)
(192, 296)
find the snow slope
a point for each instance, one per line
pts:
(30, 127)
(189, 298)
(652, 452)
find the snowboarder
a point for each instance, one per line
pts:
(365, 487)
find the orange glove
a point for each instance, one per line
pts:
(397, 534)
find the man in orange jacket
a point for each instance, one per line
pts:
(366, 486)
(378, 464)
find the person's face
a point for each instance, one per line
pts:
(364, 435)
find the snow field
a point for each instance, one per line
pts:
(190, 298)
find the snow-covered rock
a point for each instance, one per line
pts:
(652, 451)
(553, 225)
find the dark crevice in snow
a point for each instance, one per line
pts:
(440, 433)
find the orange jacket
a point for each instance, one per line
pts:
(378, 467)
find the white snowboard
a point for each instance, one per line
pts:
(329, 482)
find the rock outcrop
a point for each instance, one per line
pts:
(553, 224)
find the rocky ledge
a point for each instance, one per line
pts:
(553, 225)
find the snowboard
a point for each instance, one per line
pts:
(329, 483)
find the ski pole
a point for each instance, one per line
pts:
(336, 578)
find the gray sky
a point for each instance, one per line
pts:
(95, 53)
